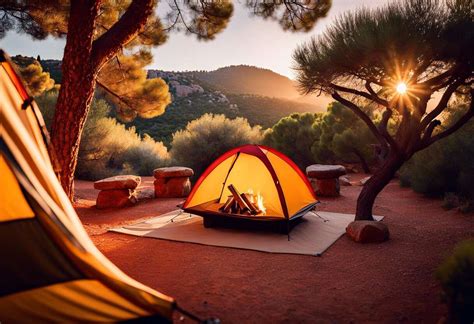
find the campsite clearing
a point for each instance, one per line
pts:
(389, 282)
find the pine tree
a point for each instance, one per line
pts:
(395, 58)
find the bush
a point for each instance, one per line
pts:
(456, 275)
(107, 147)
(294, 136)
(445, 167)
(206, 138)
(337, 136)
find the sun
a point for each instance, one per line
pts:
(401, 88)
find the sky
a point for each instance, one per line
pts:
(246, 40)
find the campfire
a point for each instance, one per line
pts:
(243, 204)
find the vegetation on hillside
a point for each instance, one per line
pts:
(446, 168)
(37, 80)
(107, 147)
(336, 136)
(205, 139)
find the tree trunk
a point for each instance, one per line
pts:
(77, 90)
(375, 184)
(362, 160)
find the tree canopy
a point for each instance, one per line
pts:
(33, 75)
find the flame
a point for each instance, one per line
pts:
(260, 204)
(258, 200)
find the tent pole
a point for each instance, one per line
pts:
(227, 176)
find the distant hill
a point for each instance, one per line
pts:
(245, 79)
(260, 95)
(193, 97)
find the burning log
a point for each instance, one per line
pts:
(249, 201)
(243, 206)
(226, 208)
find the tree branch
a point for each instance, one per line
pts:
(366, 95)
(461, 122)
(375, 97)
(112, 93)
(381, 137)
(122, 32)
(441, 104)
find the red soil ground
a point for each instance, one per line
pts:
(390, 282)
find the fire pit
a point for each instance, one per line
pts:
(251, 184)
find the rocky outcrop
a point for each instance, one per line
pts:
(118, 182)
(117, 192)
(172, 172)
(368, 231)
(172, 182)
(116, 198)
(323, 171)
(325, 179)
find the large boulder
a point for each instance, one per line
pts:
(322, 171)
(172, 187)
(115, 198)
(368, 231)
(326, 187)
(172, 172)
(118, 182)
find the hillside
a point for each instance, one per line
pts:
(243, 79)
(260, 95)
(193, 97)
(252, 80)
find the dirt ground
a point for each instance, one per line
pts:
(380, 283)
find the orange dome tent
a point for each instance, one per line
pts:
(51, 271)
(283, 191)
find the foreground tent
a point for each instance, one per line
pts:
(286, 192)
(50, 269)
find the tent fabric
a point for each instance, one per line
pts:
(259, 169)
(52, 271)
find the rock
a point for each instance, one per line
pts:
(172, 187)
(326, 187)
(115, 198)
(118, 182)
(146, 193)
(321, 171)
(368, 231)
(344, 181)
(364, 180)
(172, 172)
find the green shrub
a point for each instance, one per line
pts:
(206, 138)
(107, 147)
(445, 167)
(336, 136)
(294, 135)
(456, 275)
